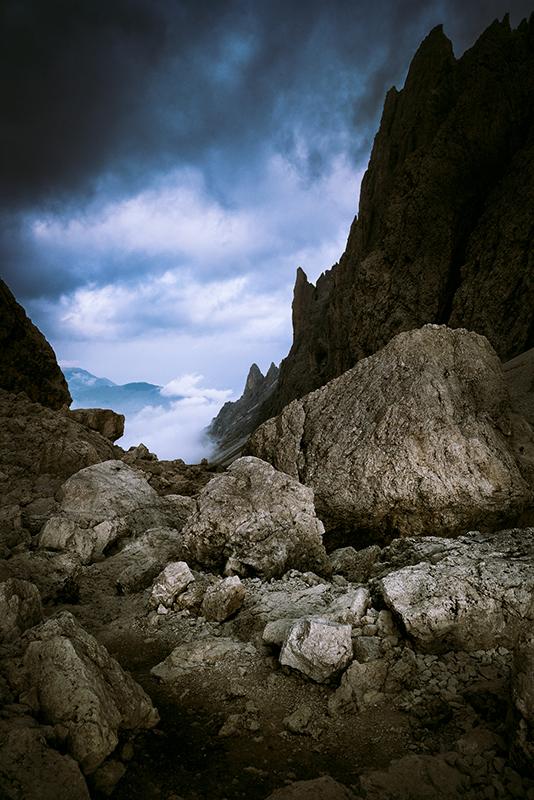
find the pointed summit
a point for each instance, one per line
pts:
(254, 380)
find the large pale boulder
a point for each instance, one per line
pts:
(101, 504)
(319, 648)
(255, 519)
(416, 439)
(474, 592)
(77, 684)
(415, 777)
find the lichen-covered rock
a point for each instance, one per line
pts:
(319, 648)
(223, 599)
(324, 788)
(31, 770)
(20, 608)
(416, 439)
(469, 593)
(171, 582)
(108, 423)
(79, 685)
(254, 519)
(101, 504)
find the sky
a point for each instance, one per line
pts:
(166, 165)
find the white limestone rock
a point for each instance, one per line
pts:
(255, 519)
(319, 648)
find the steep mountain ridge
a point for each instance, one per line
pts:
(444, 232)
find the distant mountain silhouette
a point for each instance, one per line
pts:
(90, 391)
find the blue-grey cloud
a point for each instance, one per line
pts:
(213, 145)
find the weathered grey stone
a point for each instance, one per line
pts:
(476, 592)
(324, 788)
(319, 648)
(80, 686)
(361, 685)
(366, 648)
(170, 583)
(107, 776)
(413, 440)
(350, 607)
(257, 519)
(140, 560)
(99, 505)
(223, 599)
(355, 565)
(108, 423)
(20, 608)
(31, 770)
(206, 653)
(415, 777)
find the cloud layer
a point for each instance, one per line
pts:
(166, 166)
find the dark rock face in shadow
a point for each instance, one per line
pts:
(27, 362)
(444, 229)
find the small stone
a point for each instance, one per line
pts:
(318, 648)
(173, 580)
(299, 720)
(223, 599)
(366, 648)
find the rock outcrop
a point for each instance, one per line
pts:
(467, 594)
(417, 439)
(443, 233)
(27, 362)
(254, 519)
(107, 422)
(79, 686)
(101, 504)
(236, 421)
(519, 375)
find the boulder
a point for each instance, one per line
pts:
(324, 788)
(254, 519)
(31, 770)
(361, 686)
(101, 504)
(40, 446)
(77, 684)
(171, 582)
(108, 423)
(355, 565)
(319, 648)
(474, 592)
(203, 654)
(20, 608)
(415, 777)
(416, 439)
(223, 599)
(140, 560)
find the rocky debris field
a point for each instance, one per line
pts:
(169, 646)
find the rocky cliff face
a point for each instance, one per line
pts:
(235, 421)
(27, 362)
(444, 230)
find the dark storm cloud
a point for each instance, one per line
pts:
(101, 96)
